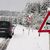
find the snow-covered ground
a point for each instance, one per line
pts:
(24, 41)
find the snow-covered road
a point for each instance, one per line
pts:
(22, 41)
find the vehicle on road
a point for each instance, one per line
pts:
(6, 29)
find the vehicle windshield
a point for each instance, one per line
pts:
(4, 24)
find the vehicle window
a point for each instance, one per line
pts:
(4, 24)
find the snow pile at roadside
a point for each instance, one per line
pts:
(22, 41)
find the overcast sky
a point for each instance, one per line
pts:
(14, 5)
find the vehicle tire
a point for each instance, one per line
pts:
(10, 37)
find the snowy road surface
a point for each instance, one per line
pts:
(3, 43)
(22, 41)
